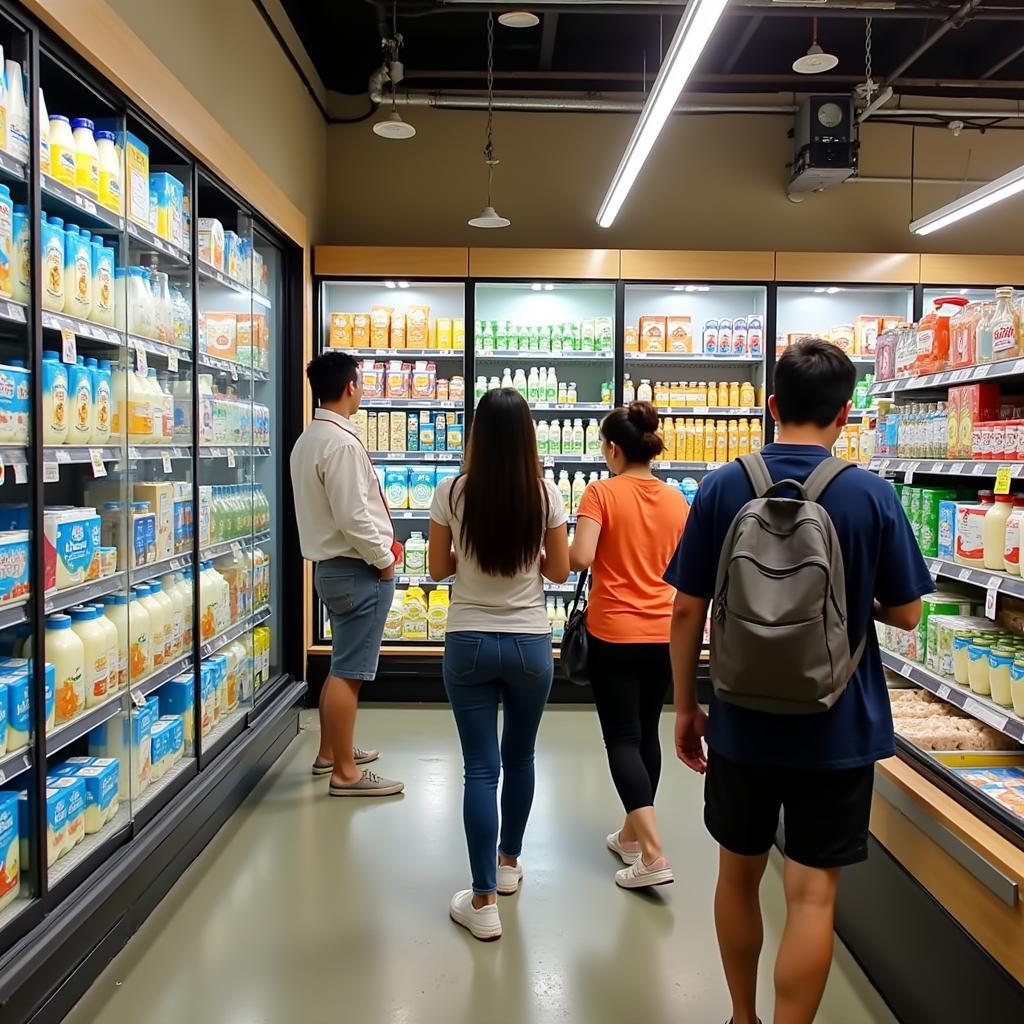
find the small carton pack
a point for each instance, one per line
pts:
(340, 335)
(380, 327)
(211, 242)
(978, 403)
(412, 433)
(679, 334)
(161, 502)
(604, 334)
(373, 378)
(459, 333)
(398, 379)
(426, 431)
(417, 327)
(424, 380)
(443, 332)
(652, 333)
(396, 486)
(632, 339)
(136, 168)
(421, 486)
(588, 336)
(246, 349)
(398, 431)
(222, 335)
(843, 336)
(865, 335)
(361, 330)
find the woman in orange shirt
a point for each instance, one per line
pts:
(628, 529)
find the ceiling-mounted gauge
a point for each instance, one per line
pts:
(830, 115)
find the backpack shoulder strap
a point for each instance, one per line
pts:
(823, 474)
(757, 473)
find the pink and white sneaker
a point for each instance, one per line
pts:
(640, 875)
(628, 852)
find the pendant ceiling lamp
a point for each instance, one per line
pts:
(815, 60)
(392, 126)
(518, 19)
(489, 217)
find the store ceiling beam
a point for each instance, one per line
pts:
(547, 40)
(746, 35)
(1000, 64)
(954, 21)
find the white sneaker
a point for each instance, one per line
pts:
(640, 875)
(509, 879)
(628, 852)
(483, 924)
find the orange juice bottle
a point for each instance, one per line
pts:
(756, 436)
(721, 441)
(708, 454)
(734, 393)
(669, 437)
(744, 440)
(712, 395)
(734, 439)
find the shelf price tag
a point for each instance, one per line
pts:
(231, 458)
(21, 473)
(905, 669)
(172, 360)
(956, 469)
(990, 598)
(96, 458)
(985, 714)
(942, 692)
(140, 357)
(68, 345)
(236, 549)
(964, 575)
(51, 473)
(234, 372)
(1003, 480)
(137, 699)
(978, 469)
(167, 462)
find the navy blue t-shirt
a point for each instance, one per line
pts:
(881, 560)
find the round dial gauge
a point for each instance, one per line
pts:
(830, 114)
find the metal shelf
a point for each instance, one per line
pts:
(225, 547)
(215, 643)
(148, 241)
(208, 273)
(82, 328)
(158, 451)
(12, 614)
(10, 167)
(579, 460)
(999, 718)
(220, 451)
(538, 356)
(236, 369)
(695, 467)
(416, 456)
(14, 454)
(697, 358)
(945, 467)
(85, 592)
(570, 407)
(15, 312)
(262, 300)
(160, 348)
(14, 762)
(986, 371)
(66, 733)
(161, 568)
(87, 213)
(397, 353)
(988, 579)
(64, 454)
(167, 672)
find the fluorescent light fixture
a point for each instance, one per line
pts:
(403, 284)
(389, 284)
(536, 286)
(833, 290)
(980, 199)
(549, 287)
(819, 291)
(695, 28)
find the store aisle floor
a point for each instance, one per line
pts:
(316, 910)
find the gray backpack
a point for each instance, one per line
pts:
(779, 640)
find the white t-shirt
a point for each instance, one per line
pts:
(485, 603)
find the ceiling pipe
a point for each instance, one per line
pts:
(954, 21)
(999, 65)
(752, 25)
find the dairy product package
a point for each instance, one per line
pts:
(14, 404)
(72, 541)
(412, 433)
(232, 254)
(211, 242)
(14, 566)
(398, 379)
(443, 473)
(101, 792)
(221, 335)
(946, 530)
(340, 333)
(246, 350)
(161, 501)
(207, 697)
(398, 330)
(373, 378)
(679, 334)
(75, 791)
(177, 698)
(361, 330)
(396, 486)
(169, 196)
(865, 335)
(417, 327)
(10, 848)
(380, 327)
(843, 336)
(399, 427)
(424, 380)
(426, 432)
(126, 738)
(421, 486)
(755, 335)
(56, 823)
(136, 192)
(652, 333)
(443, 332)
(162, 747)
(3, 717)
(70, 766)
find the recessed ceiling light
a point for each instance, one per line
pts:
(403, 284)
(389, 284)
(549, 287)
(518, 19)
(819, 291)
(536, 286)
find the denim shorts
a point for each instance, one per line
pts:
(357, 601)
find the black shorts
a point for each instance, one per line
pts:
(826, 812)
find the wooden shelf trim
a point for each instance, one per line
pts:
(577, 264)
(390, 261)
(964, 271)
(696, 265)
(848, 267)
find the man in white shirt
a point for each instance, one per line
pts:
(345, 528)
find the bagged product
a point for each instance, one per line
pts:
(361, 330)
(424, 376)
(380, 327)
(398, 379)
(679, 334)
(865, 335)
(398, 330)
(843, 336)
(421, 486)
(373, 378)
(652, 333)
(396, 486)
(417, 327)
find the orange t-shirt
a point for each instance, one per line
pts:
(641, 522)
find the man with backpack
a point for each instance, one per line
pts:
(797, 575)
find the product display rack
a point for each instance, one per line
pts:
(139, 459)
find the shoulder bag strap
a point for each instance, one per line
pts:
(584, 577)
(823, 474)
(757, 473)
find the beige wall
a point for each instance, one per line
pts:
(713, 182)
(224, 53)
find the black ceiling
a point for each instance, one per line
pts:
(607, 49)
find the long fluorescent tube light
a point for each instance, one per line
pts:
(981, 198)
(695, 28)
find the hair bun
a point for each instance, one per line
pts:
(643, 416)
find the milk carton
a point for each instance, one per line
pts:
(739, 336)
(74, 790)
(10, 848)
(421, 486)
(72, 541)
(101, 792)
(162, 739)
(710, 335)
(396, 486)
(56, 824)
(177, 699)
(755, 335)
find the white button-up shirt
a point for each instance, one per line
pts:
(339, 506)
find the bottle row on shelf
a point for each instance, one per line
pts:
(719, 336)
(539, 385)
(595, 335)
(693, 394)
(709, 440)
(385, 328)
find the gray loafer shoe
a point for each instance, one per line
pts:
(364, 756)
(370, 784)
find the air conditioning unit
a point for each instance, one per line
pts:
(824, 144)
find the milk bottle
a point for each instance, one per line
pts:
(543, 433)
(579, 485)
(96, 651)
(565, 490)
(578, 436)
(593, 438)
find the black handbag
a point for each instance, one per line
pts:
(575, 654)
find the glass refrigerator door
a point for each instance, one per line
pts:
(230, 369)
(851, 316)
(409, 337)
(19, 696)
(555, 343)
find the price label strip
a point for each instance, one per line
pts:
(51, 472)
(991, 594)
(1003, 474)
(96, 458)
(21, 473)
(167, 462)
(231, 458)
(985, 714)
(957, 468)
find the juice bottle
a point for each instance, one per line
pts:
(414, 615)
(96, 650)
(983, 334)
(579, 485)
(113, 642)
(593, 438)
(747, 394)
(565, 490)
(734, 393)
(644, 393)
(141, 414)
(744, 440)
(1005, 326)
(65, 651)
(156, 592)
(734, 439)
(708, 455)
(437, 613)
(115, 607)
(157, 624)
(578, 437)
(721, 441)
(994, 531)
(756, 436)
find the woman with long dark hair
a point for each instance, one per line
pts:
(499, 528)
(628, 529)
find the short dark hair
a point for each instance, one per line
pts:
(330, 373)
(635, 431)
(814, 379)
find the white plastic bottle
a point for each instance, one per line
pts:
(565, 490)
(578, 437)
(543, 434)
(17, 111)
(571, 393)
(555, 438)
(96, 650)
(65, 651)
(644, 393)
(156, 593)
(593, 438)
(115, 607)
(533, 385)
(519, 382)
(579, 485)
(113, 647)
(551, 386)
(628, 390)
(506, 377)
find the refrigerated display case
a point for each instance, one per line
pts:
(113, 692)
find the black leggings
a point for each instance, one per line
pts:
(630, 682)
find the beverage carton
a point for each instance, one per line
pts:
(652, 333)
(361, 330)
(978, 403)
(679, 334)
(417, 327)
(398, 431)
(421, 486)
(398, 330)
(380, 327)
(865, 335)
(396, 486)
